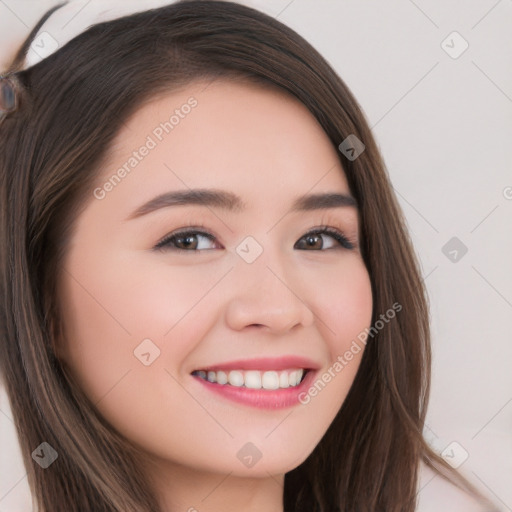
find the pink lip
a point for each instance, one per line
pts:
(262, 398)
(265, 364)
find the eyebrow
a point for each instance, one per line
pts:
(228, 201)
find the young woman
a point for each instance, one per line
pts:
(209, 297)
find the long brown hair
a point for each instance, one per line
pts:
(70, 108)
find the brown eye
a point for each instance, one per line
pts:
(189, 241)
(186, 241)
(314, 239)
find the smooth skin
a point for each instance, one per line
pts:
(205, 304)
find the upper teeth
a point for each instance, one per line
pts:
(254, 379)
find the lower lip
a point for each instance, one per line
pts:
(262, 398)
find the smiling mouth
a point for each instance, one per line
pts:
(254, 379)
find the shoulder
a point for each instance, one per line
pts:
(435, 494)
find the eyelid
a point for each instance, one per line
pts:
(335, 233)
(349, 226)
(196, 228)
(344, 241)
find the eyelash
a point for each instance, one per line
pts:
(165, 244)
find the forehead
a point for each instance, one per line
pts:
(225, 134)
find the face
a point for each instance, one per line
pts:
(156, 294)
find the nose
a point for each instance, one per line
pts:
(263, 294)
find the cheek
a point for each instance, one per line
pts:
(96, 337)
(167, 304)
(109, 308)
(344, 303)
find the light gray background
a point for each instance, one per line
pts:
(444, 126)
